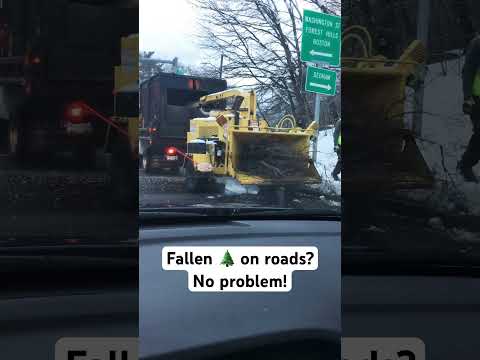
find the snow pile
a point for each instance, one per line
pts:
(326, 160)
(233, 187)
(446, 132)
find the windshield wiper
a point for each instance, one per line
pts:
(386, 258)
(152, 215)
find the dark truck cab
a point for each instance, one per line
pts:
(167, 105)
(59, 55)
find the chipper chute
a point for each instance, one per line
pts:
(382, 152)
(272, 157)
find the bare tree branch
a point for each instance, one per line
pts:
(260, 41)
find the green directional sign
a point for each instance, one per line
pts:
(321, 81)
(321, 38)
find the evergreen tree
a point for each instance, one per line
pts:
(227, 259)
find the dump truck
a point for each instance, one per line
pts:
(232, 142)
(167, 104)
(54, 56)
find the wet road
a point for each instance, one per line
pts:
(59, 201)
(159, 190)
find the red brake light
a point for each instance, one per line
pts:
(75, 113)
(170, 150)
(32, 60)
(151, 130)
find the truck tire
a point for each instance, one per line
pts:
(123, 173)
(191, 182)
(4, 136)
(16, 137)
(146, 164)
(85, 156)
(174, 171)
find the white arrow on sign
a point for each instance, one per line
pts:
(326, 87)
(318, 53)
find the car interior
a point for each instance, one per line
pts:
(304, 323)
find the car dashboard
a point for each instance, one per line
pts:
(176, 323)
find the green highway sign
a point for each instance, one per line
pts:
(321, 38)
(321, 81)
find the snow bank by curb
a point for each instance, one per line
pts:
(326, 160)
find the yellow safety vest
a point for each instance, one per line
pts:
(339, 141)
(476, 85)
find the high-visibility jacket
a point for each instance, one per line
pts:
(339, 141)
(336, 132)
(471, 69)
(476, 85)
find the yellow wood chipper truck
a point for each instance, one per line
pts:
(121, 138)
(382, 151)
(124, 174)
(232, 142)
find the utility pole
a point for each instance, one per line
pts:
(423, 32)
(221, 66)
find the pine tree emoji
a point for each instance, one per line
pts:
(227, 259)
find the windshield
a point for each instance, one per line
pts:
(224, 132)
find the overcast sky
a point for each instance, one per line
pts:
(168, 27)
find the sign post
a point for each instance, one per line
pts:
(321, 42)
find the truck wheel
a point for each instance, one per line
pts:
(191, 182)
(86, 157)
(4, 136)
(277, 195)
(146, 164)
(124, 189)
(16, 138)
(175, 171)
(12, 141)
(124, 178)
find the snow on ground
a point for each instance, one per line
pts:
(444, 124)
(233, 187)
(326, 160)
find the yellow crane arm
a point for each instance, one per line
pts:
(231, 93)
